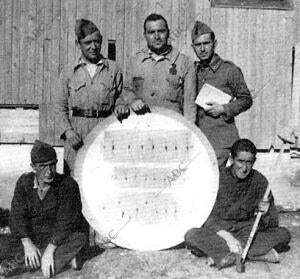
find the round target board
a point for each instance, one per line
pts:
(146, 180)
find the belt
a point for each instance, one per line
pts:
(90, 113)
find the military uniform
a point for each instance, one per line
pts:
(234, 211)
(165, 81)
(86, 100)
(222, 131)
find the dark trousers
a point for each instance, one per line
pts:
(12, 250)
(204, 240)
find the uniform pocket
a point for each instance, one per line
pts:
(77, 85)
(106, 96)
(175, 84)
(174, 81)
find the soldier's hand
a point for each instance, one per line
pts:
(263, 207)
(137, 105)
(215, 109)
(234, 245)
(48, 261)
(74, 139)
(32, 254)
(121, 110)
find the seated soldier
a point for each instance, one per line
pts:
(227, 229)
(47, 226)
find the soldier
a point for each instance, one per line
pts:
(228, 227)
(89, 89)
(159, 73)
(48, 229)
(217, 122)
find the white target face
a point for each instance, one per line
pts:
(146, 181)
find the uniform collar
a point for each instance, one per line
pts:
(80, 61)
(214, 64)
(171, 54)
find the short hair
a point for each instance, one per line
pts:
(155, 17)
(243, 145)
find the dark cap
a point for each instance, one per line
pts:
(199, 29)
(84, 27)
(42, 152)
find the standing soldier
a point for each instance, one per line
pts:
(89, 89)
(159, 73)
(217, 122)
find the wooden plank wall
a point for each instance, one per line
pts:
(39, 40)
(260, 42)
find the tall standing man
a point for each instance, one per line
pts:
(159, 72)
(47, 226)
(89, 89)
(217, 122)
(225, 233)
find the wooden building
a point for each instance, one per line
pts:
(37, 39)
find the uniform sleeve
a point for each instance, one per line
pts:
(18, 214)
(216, 221)
(128, 95)
(69, 211)
(190, 94)
(242, 96)
(62, 105)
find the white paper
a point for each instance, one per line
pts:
(208, 94)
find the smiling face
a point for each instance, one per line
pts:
(90, 47)
(204, 47)
(242, 164)
(156, 35)
(45, 172)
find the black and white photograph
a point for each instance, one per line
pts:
(146, 139)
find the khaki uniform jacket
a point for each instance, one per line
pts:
(226, 76)
(78, 90)
(166, 82)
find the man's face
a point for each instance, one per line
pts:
(45, 172)
(242, 164)
(204, 47)
(90, 47)
(156, 35)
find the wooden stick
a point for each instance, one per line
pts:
(240, 268)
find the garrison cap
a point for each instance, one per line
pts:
(199, 29)
(42, 152)
(84, 27)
